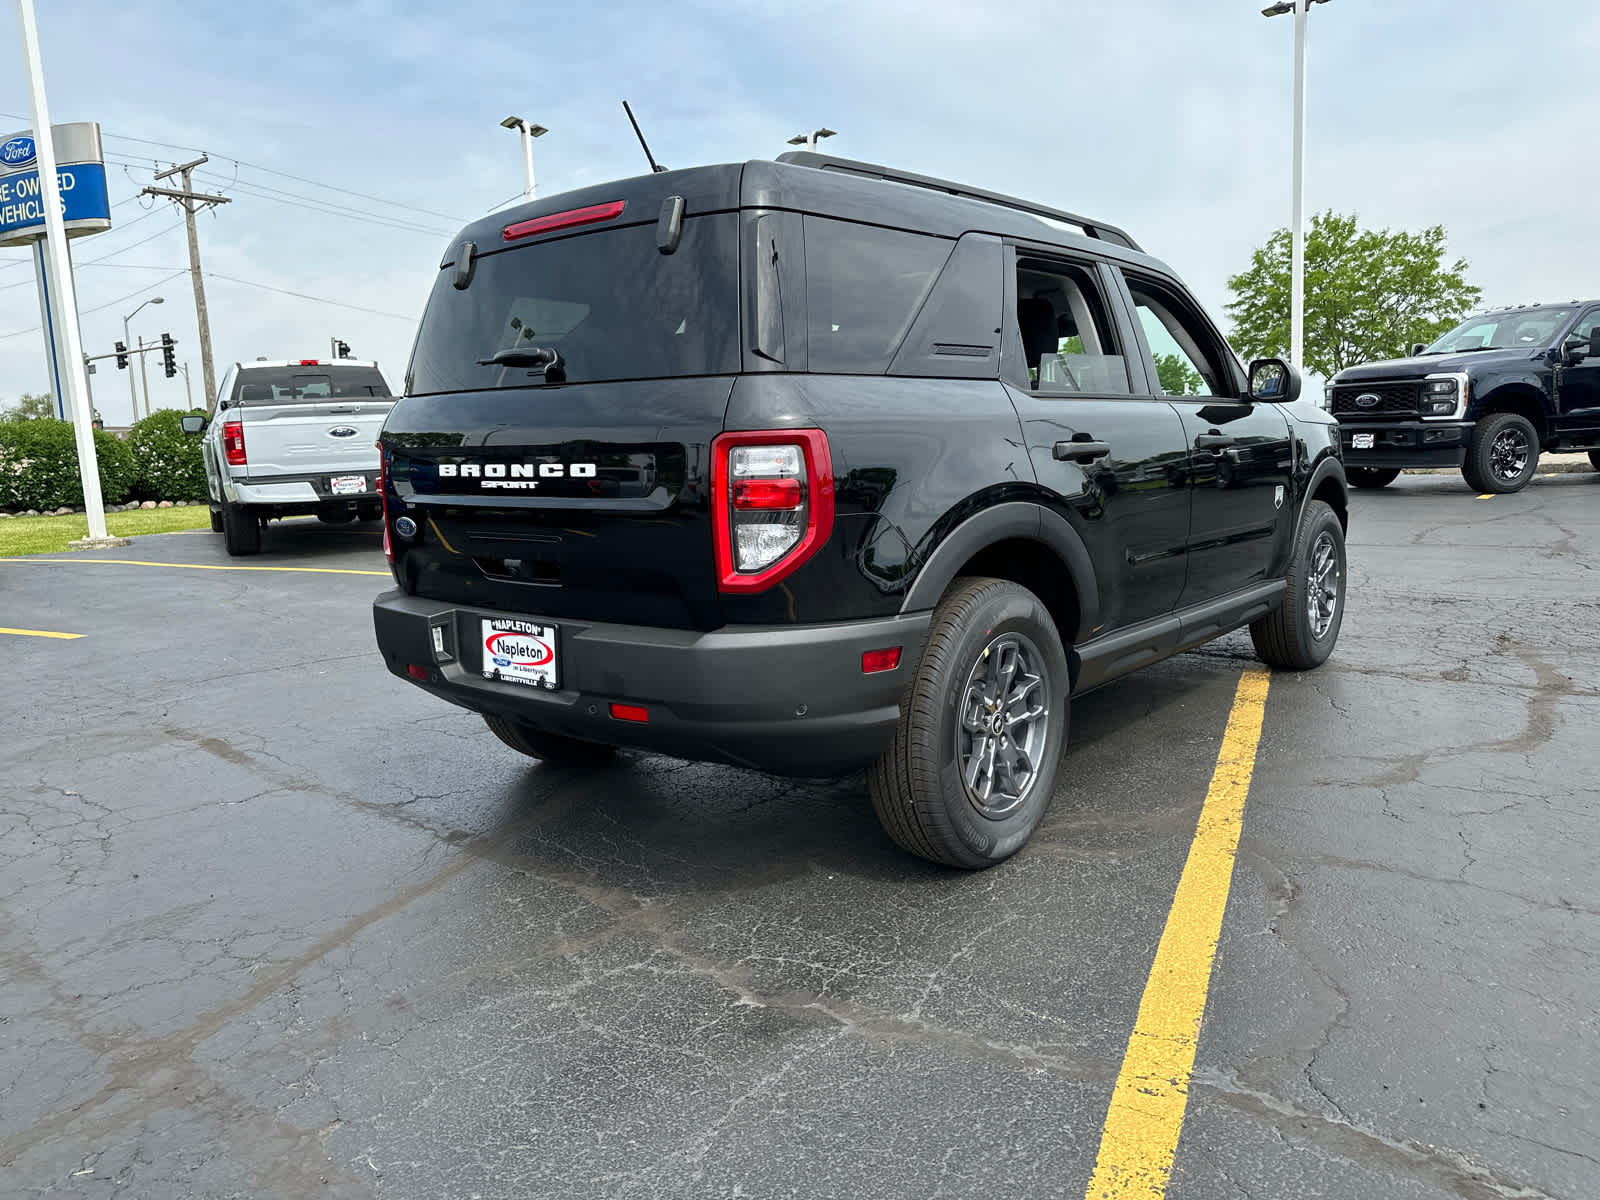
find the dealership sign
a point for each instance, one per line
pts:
(80, 171)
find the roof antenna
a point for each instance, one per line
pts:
(654, 165)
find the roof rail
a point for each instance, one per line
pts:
(827, 162)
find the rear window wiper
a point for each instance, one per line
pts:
(554, 368)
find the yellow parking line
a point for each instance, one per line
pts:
(1487, 496)
(138, 562)
(66, 637)
(1142, 1125)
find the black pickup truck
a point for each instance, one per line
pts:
(1488, 397)
(813, 466)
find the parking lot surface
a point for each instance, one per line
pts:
(273, 923)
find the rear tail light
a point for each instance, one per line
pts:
(873, 661)
(383, 495)
(233, 443)
(630, 712)
(773, 494)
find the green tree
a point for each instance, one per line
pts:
(30, 407)
(1369, 293)
(1178, 378)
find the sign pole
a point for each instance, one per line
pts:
(47, 325)
(58, 272)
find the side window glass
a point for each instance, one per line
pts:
(864, 287)
(1587, 324)
(1180, 344)
(1067, 335)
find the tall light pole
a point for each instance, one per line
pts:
(133, 391)
(58, 271)
(809, 140)
(1297, 234)
(528, 131)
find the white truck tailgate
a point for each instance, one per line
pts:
(311, 438)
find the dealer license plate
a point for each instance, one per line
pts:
(519, 652)
(1362, 441)
(348, 485)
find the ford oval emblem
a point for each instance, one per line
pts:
(1368, 400)
(405, 527)
(343, 431)
(18, 152)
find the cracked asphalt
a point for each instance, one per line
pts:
(273, 924)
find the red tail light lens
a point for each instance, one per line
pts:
(570, 219)
(873, 661)
(233, 443)
(773, 504)
(630, 712)
(383, 495)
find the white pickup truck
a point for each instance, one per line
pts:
(291, 438)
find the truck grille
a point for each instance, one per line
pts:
(1392, 398)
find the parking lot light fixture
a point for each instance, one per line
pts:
(809, 140)
(1297, 253)
(133, 392)
(528, 131)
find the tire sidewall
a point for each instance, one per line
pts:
(1318, 520)
(1483, 447)
(1011, 610)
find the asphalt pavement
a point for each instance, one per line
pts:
(275, 924)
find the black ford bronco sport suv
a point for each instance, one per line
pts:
(811, 465)
(1488, 397)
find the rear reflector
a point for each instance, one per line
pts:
(630, 712)
(570, 219)
(417, 671)
(873, 661)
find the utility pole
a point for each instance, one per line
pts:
(192, 202)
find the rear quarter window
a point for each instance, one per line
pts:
(864, 288)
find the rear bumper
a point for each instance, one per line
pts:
(791, 700)
(298, 493)
(1407, 443)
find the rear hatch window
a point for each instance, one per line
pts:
(286, 385)
(612, 305)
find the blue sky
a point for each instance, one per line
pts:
(1171, 119)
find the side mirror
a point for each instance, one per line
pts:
(1273, 381)
(192, 424)
(1417, 348)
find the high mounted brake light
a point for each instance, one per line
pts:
(772, 504)
(570, 219)
(309, 362)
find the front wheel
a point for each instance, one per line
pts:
(1371, 477)
(553, 748)
(1300, 633)
(1504, 454)
(972, 765)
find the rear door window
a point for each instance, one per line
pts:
(287, 385)
(609, 302)
(864, 288)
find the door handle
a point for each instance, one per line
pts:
(1081, 452)
(1216, 442)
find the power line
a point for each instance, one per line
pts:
(82, 312)
(266, 287)
(123, 137)
(259, 191)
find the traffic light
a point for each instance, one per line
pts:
(341, 349)
(169, 360)
(122, 357)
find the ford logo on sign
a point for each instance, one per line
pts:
(343, 431)
(18, 152)
(1367, 400)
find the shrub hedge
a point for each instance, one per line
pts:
(39, 466)
(158, 461)
(167, 461)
